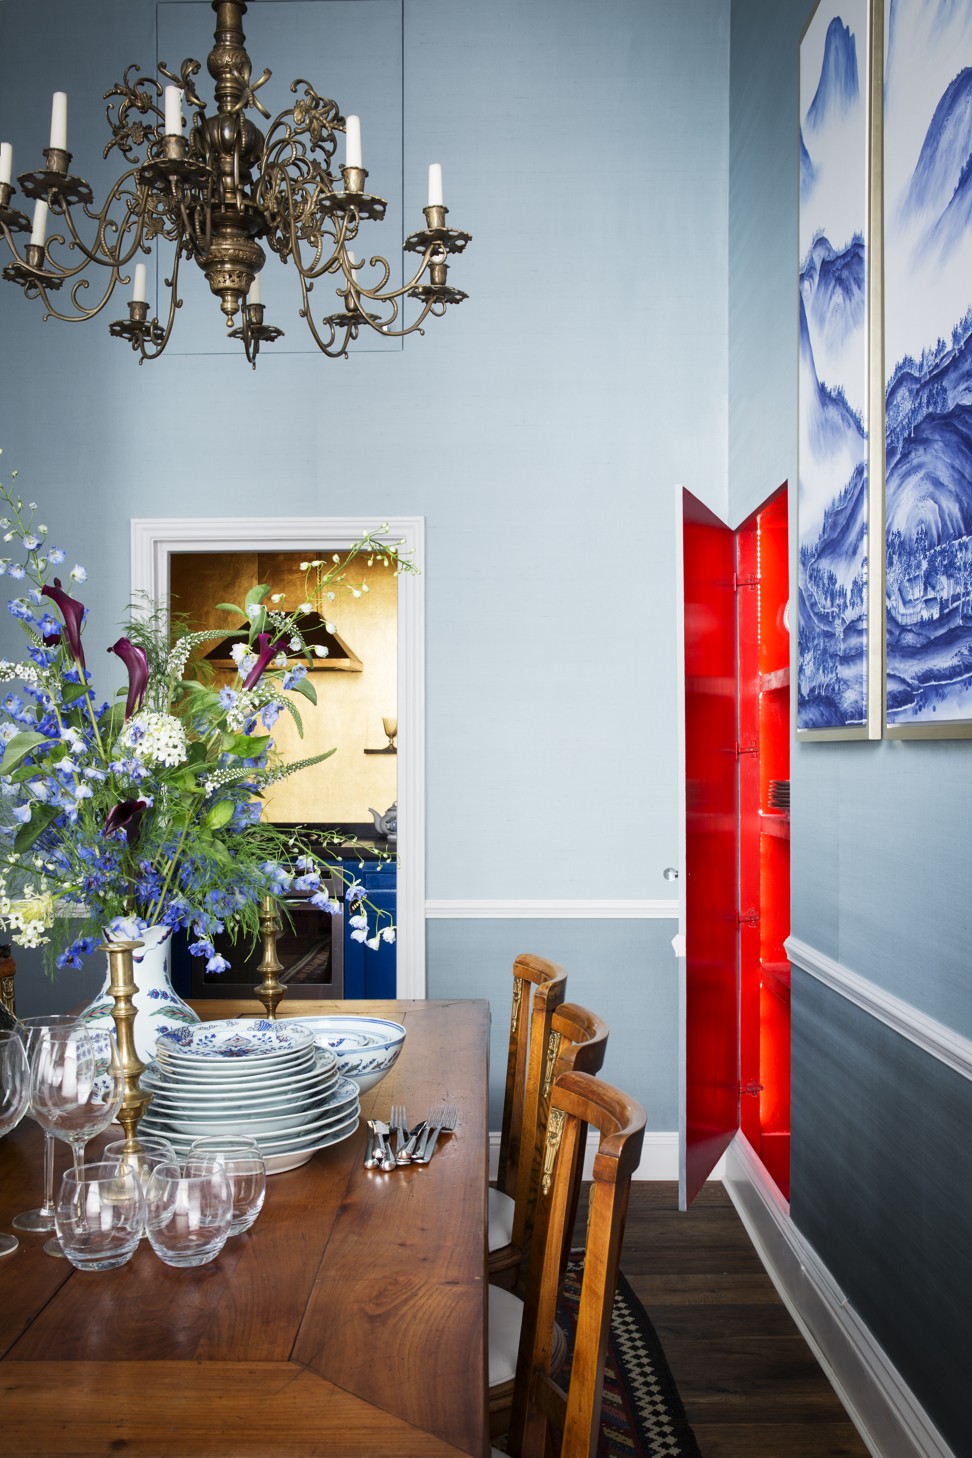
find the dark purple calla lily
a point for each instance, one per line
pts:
(135, 660)
(72, 612)
(267, 651)
(127, 816)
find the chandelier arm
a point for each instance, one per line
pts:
(151, 343)
(379, 298)
(330, 347)
(289, 241)
(100, 252)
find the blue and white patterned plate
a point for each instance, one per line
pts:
(234, 1040)
(248, 1080)
(315, 1128)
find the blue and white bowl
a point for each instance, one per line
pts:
(366, 1048)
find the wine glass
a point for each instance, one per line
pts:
(42, 1217)
(14, 1097)
(390, 725)
(76, 1088)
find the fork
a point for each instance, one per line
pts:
(442, 1121)
(399, 1123)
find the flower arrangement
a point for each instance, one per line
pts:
(144, 810)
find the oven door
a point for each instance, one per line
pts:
(310, 948)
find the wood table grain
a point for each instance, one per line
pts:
(349, 1321)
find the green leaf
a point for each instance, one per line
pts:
(230, 607)
(40, 818)
(249, 746)
(305, 687)
(257, 594)
(219, 814)
(184, 779)
(19, 747)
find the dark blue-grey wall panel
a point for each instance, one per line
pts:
(623, 970)
(882, 1189)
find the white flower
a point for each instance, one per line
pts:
(238, 652)
(156, 738)
(304, 607)
(254, 610)
(276, 597)
(78, 574)
(320, 651)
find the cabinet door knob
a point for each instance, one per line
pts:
(670, 873)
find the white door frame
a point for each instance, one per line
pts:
(153, 539)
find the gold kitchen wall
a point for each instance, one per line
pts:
(350, 706)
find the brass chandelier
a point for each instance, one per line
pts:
(222, 195)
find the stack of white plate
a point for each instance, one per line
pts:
(249, 1076)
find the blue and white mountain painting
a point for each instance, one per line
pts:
(833, 553)
(928, 330)
(833, 485)
(838, 88)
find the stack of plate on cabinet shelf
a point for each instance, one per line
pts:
(249, 1076)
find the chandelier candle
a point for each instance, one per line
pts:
(59, 121)
(39, 231)
(6, 162)
(173, 111)
(352, 142)
(435, 185)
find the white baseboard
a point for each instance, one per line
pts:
(659, 1158)
(890, 1420)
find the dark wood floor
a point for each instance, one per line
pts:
(750, 1384)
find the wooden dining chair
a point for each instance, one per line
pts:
(560, 1039)
(537, 985)
(539, 1403)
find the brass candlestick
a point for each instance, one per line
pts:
(270, 990)
(122, 987)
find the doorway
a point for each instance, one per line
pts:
(159, 547)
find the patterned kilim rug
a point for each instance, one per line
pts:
(641, 1413)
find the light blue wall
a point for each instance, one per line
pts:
(881, 837)
(540, 429)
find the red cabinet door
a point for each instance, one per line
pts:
(710, 997)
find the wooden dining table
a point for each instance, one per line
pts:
(349, 1321)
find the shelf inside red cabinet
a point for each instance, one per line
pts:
(779, 678)
(774, 822)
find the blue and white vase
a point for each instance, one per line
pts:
(158, 1007)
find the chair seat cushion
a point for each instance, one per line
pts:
(505, 1317)
(501, 1208)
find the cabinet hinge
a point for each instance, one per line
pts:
(740, 749)
(748, 918)
(750, 581)
(752, 1089)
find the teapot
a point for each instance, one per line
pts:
(387, 824)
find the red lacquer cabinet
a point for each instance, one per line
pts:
(735, 872)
